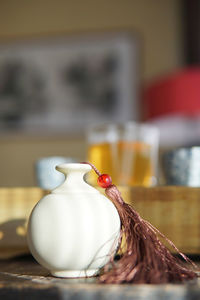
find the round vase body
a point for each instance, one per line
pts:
(74, 230)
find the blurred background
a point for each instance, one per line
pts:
(165, 77)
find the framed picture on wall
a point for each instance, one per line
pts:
(64, 84)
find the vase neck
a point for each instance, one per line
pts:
(73, 168)
(74, 180)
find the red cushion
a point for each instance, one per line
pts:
(178, 93)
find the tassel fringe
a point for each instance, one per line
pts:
(146, 259)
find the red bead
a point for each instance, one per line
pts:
(104, 180)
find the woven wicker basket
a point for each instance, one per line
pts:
(15, 207)
(175, 211)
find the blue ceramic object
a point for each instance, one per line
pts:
(182, 166)
(47, 176)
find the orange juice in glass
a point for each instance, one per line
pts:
(103, 151)
(136, 164)
(127, 152)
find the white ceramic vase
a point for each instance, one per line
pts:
(73, 230)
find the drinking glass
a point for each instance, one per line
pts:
(128, 152)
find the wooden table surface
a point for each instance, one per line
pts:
(23, 278)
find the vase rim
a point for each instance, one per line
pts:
(73, 167)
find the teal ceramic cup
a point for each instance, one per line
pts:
(47, 176)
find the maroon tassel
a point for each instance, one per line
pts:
(145, 259)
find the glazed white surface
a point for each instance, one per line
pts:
(74, 230)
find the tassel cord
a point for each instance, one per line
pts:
(145, 258)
